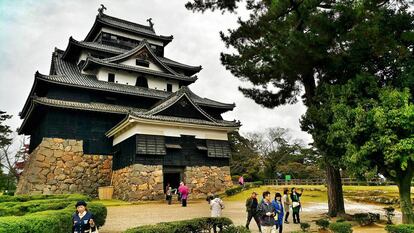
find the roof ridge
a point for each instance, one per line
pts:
(126, 21)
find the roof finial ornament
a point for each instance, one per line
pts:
(101, 9)
(151, 24)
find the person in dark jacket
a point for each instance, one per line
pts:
(296, 205)
(251, 209)
(267, 214)
(82, 219)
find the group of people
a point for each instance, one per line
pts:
(182, 192)
(271, 214)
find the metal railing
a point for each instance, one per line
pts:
(345, 181)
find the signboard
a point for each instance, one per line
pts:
(288, 177)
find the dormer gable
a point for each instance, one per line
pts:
(180, 104)
(141, 56)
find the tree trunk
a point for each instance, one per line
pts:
(404, 188)
(335, 195)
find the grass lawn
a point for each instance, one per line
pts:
(317, 193)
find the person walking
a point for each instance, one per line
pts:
(286, 204)
(169, 193)
(296, 205)
(241, 181)
(183, 190)
(251, 209)
(277, 203)
(267, 214)
(216, 206)
(82, 219)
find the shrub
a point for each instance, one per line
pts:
(257, 183)
(389, 214)
(189, 226)
(234, 229)
(403, 228)
(304, 226)
(340, 220)
(22, 208)
(341, 227)
(24, 198)
(45, 216)
(322, 223)
(233, 191)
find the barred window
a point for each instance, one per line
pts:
(218, 148)
(151, 145)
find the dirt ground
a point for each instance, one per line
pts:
(121, 218)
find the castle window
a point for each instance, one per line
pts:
(142, 62)
(141, 82)
(169, 87)
(111, 77)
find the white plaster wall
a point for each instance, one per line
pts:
(152, 66)
(127, 78)
(135, 37)
(170, 131)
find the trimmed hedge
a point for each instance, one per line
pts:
(238, 189)
(24, 198)
(22, 208)
(403, 228)
(190, 226)
(48, 221)
(341, 227)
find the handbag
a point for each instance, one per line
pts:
(295, 204)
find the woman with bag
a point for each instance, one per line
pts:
(295, 197)
(82, 219)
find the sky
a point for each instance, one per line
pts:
(30, 30)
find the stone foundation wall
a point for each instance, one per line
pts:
(205, 180)
(59, 166)
(138, 182)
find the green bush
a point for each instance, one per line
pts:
(304, 226)
(233, 191)
(36, 219)
(189, 226)
(24, 198)
(322, 223)
(234, 229)
(341, 227)
(403, 228)
(363, 219)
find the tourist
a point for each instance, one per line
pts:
(168, 194)
(216, 206)
(267, 214)
(277, 203)
(82, 219)
(251, 209)
(183, 189)
(241, 181)
(286, 204)
(296, 205)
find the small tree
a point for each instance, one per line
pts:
(378, 135)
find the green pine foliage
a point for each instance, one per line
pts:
(403, 228)
(341, 227)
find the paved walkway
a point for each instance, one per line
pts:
(121, 218)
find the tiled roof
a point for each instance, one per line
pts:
(117, 51)
(92, 106)
(120, 24)
(173, 98)
(68, 73)
(91, 60)
(126, 24)
(119, 109)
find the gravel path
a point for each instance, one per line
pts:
(121, 218)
